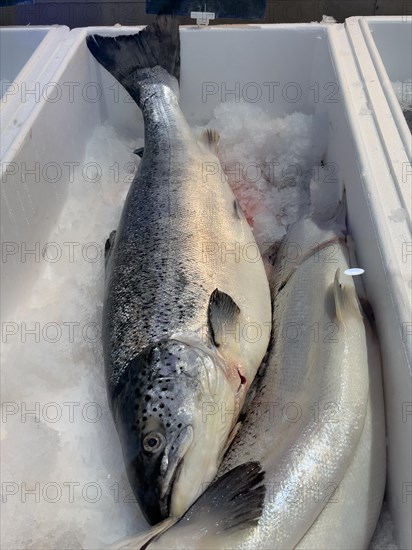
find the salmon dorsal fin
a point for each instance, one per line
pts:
(210, 138)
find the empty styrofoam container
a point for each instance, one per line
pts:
(382, 47)
(303, 67)
(389, 41)
(28, 58)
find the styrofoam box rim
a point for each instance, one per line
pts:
(41, 67)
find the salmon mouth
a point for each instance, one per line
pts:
(166, 500)
(174, 468)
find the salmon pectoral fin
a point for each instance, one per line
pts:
(223, 319)
(232, 503)
(225, 330)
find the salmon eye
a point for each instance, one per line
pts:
(153, 442)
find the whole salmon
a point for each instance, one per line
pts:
(183, 290)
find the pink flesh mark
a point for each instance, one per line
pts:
(237, 380)
(251, 200)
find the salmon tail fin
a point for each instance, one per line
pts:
(127, 57)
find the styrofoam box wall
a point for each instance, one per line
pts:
(223, 57)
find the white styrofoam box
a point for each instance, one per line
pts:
(389, 41)
(282, 68)
(28, 58)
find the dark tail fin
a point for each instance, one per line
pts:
(125, 55)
